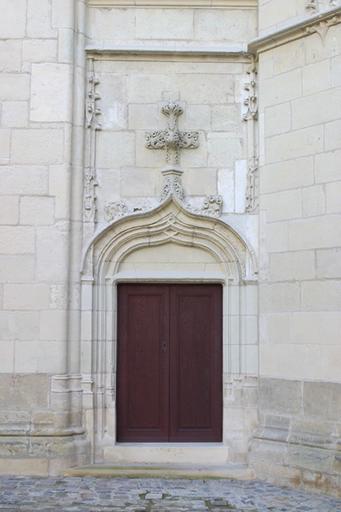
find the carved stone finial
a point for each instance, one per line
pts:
(172, 139)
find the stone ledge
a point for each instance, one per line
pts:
(166, 48)
(183, 4)
(228, 471)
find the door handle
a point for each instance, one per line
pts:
(164, 346)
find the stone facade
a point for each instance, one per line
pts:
(178, 141)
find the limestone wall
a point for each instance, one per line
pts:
(300, 271)
(37, 61)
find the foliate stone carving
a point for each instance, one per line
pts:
(93, 111)
(90, 182)
(251, 100)
(312, 5)
(172, 139)
(118, 209)
(212, 207)
(322, 27)
(172, 186)
(251, 187)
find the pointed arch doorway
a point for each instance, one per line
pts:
(169, 367)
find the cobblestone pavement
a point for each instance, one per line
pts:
(24, 494)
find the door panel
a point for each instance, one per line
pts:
(195, 363)
(143, 365)
(169, 363)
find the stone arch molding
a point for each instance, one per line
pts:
(168, 222)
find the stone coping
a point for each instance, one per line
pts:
(300, 27)
(217, 4)
(166, 48)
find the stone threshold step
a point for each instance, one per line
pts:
(170, 471)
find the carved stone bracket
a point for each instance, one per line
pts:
(314, 6)
(92, 122)
(322, 27)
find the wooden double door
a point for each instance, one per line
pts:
(169, 386)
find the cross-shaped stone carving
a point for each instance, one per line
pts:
(172, 139)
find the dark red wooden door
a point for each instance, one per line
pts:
(169, 363)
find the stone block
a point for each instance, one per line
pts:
(322, 400)
(226, 118)
(148, 87)
(4, 146)
(56, 237)
(7, 357)
(280, 89)
(223, 149)
(333, 196)
(275, 328)
(10, 55)
(16, 240)
(143, 117)
(204, 87)
(200, 182)
(39, 50)
(287, 175)
(121, 152)
(111, 24)
(26, 296)
(292, 266)
(24, 180)
(224, 25)
(277, 237)
(316, 108)
(62, 14)
(314, 202)
(50, 92)
(280, 396)
(37, 210)
(283, 205)
(226, 188)
(147, 157)
(316, 77)
(315, 328)
(277, 119)
(13, 19)
(65, 45)
(38, 146)
(315, 233)
(327, 166)
(28, 467)
(164, 24)
(305, 142)
(14, 87)
(16, 268)
(332, 139)
(9, 210)
(23, 392)
(314, 459)
(38, 357)
(328, 263)
(279, 297)
(58, 188)
(321, 296)
(39, 19)
(139, 182)
(14, 114)
(53, 325)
